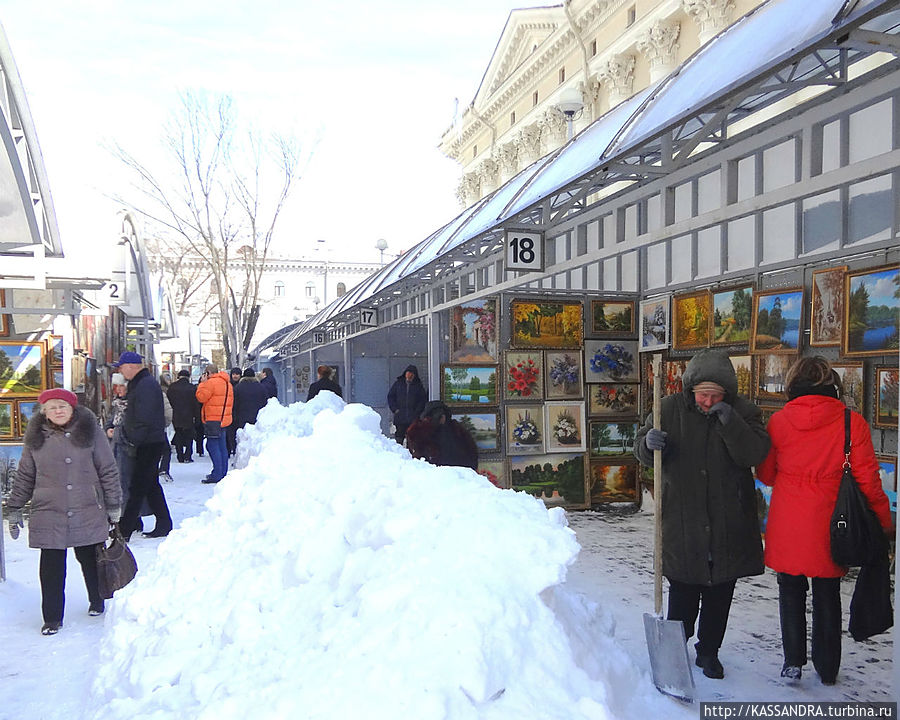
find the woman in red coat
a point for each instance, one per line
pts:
(804, 468)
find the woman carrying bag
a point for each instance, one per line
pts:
(69, 474)
(804, 468)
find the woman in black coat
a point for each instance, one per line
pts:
(249, 398)
(440, 440)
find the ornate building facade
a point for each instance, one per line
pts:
(602, 50)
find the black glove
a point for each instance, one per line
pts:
(722, 410)
(656, 439)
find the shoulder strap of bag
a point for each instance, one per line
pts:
(846, 438)
(228, 385)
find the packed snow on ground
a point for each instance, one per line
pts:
(335, 577)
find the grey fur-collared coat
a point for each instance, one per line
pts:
(70, 476)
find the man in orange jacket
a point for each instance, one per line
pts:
(217, 397)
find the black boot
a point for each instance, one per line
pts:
(710, 664)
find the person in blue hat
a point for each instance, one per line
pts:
(144, 430)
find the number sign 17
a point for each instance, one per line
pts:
(524, 250)
(368, 317)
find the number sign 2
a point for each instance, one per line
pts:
(368, 317)
(524, 250)
(114, 292)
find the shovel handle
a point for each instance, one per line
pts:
(657, 489)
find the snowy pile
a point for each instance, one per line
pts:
(336, 577)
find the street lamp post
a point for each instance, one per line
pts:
(571, 105)
(381, 245)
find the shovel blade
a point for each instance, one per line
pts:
(669, 663)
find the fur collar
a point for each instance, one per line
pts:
(82, 426)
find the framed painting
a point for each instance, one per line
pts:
(613, 400)
(55, 351)
(691, 321)
(767, 411)
(613, 481)
(7, 419)
(560, 479)
(612, 439)
(469, 384)
(546, 324)
(871, 312)
(564, 423)
(732, 310)
(10, 457)
(611, 361)
(743, 369)
(25, 409)
(777, 321)
(851, 375)
(763, 500)
(494, 469)
(22, 368)
(56, 377)
(654, 328)
(886, 385)
(563, 374)
(483, 427)
(523, 375)
(4, 317)
(524, 429)
(473, 332)
(612, 318)
(674, 372)
(771, 371)
(887, 470)
(826, 313)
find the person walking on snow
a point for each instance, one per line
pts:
(710, 438)
(406, 399)
(217, 398)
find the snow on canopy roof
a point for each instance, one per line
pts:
(765, 37)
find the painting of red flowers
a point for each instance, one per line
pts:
(523, 375)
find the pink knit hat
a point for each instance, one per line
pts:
(59, 394)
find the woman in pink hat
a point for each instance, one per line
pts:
(69, 474)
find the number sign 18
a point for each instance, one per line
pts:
(524, 250)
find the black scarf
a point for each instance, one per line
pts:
(801, 388)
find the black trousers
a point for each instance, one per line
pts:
(183, 441)
(231, 438)
(52, 571)
(199, 435)
(713, 602)
(145, 484)
(826, 622)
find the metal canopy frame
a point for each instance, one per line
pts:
(824, 65)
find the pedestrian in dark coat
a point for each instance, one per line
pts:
(69, 474)
(710, 439)
(406, 399)
(249, 398)
(804, 469)
(441, 440)
(324, 383)
(231, 430)
(185, 410)
(145, 437)
(269, 383)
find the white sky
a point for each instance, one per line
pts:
(378, 80)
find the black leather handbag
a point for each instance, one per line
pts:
(116, 566)
(856, 535)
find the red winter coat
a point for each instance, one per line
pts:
(804, 468)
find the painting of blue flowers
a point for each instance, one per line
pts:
(611, 361)
(563, 374)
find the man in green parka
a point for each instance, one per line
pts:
(710, 438)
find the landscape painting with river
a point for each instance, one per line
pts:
(872, 308)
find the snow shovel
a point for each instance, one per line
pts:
(669, 663)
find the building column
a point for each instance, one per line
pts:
(659, 45)
(618, 75)
(712, 16)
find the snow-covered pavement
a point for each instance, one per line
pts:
(333, 577)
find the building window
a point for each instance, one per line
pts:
(310, 289)
(632, 15)
(534, 98)
(512, 118)
(279, 289)
(341, 289)
(562, 75)
(593, 48)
